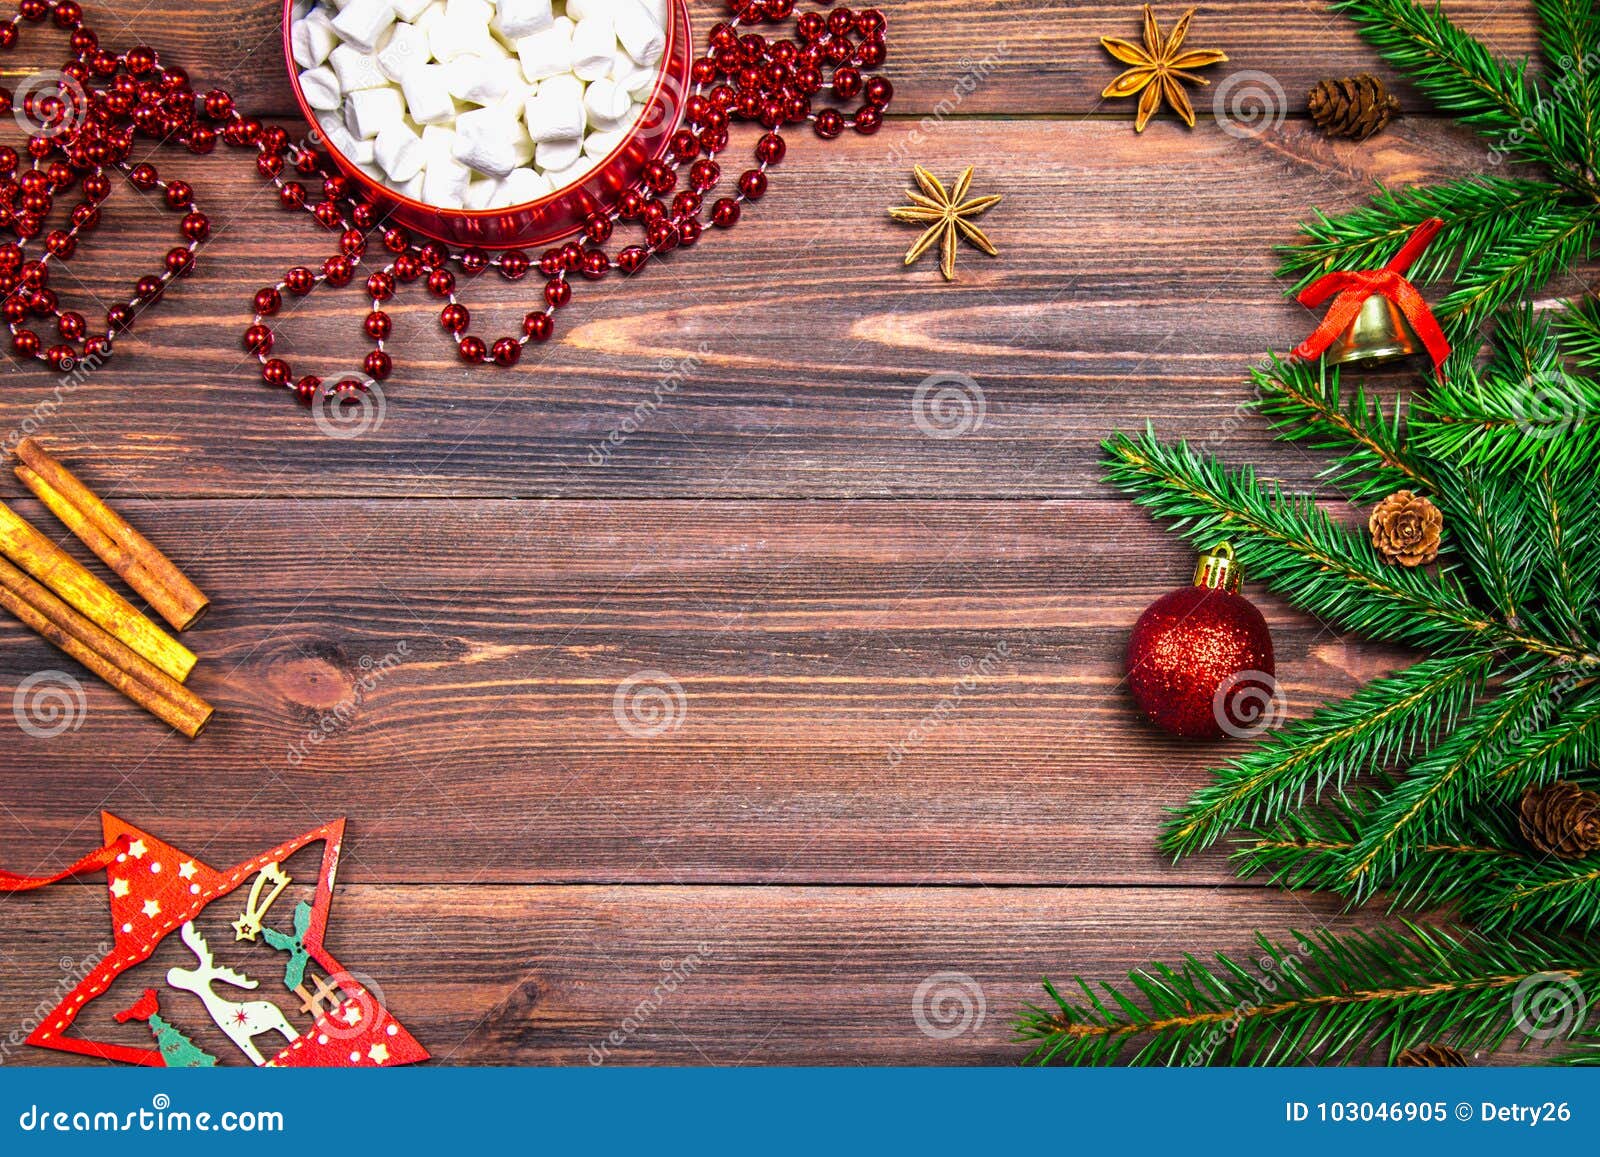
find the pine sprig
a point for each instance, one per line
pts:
(1488, 875)
(1288, 543)
(1461, 76)
(1569, 35)
(1303, 403)
(1409, 788)
(1503, 237)
(1360, 995)
(1480, 214)
(1439, 785)
(1310, 758)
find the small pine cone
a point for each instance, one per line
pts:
(1561, 820)
(1432, 1056)
(1405, 529)
(1353, 106)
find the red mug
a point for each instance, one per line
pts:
(559, 213)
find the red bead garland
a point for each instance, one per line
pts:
(103, 102)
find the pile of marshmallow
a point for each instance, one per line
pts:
(473, 104)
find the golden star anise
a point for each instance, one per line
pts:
(1158, 69)
(948, 216)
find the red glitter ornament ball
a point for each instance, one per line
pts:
(1200, 661)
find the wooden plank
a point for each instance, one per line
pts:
(544, 975)
(1015, 56)
(869, 691)
(1135, 281)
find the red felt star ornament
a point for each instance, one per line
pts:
(154, 889)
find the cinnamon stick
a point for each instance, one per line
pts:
(29, 549)
(150, 688)
(119, 546)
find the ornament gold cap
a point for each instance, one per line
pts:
(1217, 569)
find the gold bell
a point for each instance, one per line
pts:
(1380, 333)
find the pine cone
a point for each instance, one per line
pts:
(1354, 106)
(1405, 529)
(1561, 820)
(1432, 1056)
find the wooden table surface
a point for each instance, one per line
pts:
(903, 749)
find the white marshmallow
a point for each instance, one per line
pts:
(312, 38)
(338, 137)
(490, 141)
(363, 22)
(600, 143)
(444, 182)
(399, 152)
(355, 69)
(547, 53)
(517, 97)
(411, 188)
(321, 88)
(553, 156)
(479, 194)
(605, 103)
(406, 48)
(462, 29)
(482, 81)
(514, 19)
(594, 43)
(427, 93)
(340, 5)
(640, 35)
(409, 10)
(438, 141)
(555, 112)
(584, 9)
(371, 110)
(518, 187)
(634, 79)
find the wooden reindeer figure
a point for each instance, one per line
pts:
(241, 1020)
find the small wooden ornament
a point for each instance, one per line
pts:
(248, 925)
(294, 969)
(241, 1020)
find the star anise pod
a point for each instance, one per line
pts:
(1159, 68)
(948, 216)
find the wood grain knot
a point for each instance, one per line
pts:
(313, 677)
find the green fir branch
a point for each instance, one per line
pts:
(1480, 214)
(1490, 877)
(1489, 515)
(1441, 783)
(1567, 744)
(1320, 998)
(1310, 850)
(1303, 402)
(1289, 544)
(1566, 535)
(1569, 36)
(1579, 329)
(1517, 265)
(1460, 75)
(1310, 758)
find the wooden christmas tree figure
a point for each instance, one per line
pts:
(177, 1050)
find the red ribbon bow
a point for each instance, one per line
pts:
(1353, 289)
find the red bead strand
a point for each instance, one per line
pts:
(104, 102)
